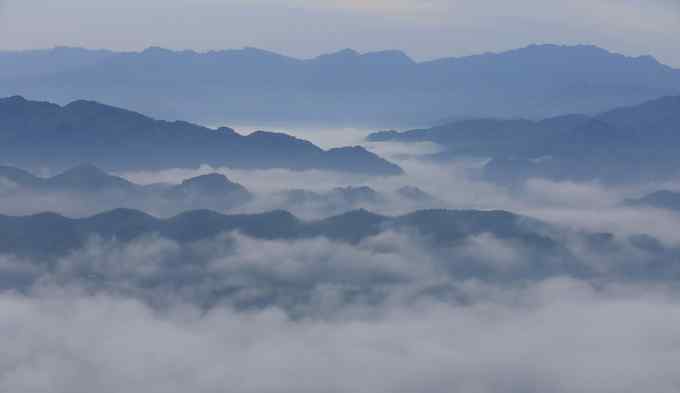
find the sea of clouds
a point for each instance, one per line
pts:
(391, 313)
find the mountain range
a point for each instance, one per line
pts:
(85, 189)
(51, 234)
(342, 199)
(545, 249)
(372, 88)
(92, 186)
(40, 134)
(625, 144)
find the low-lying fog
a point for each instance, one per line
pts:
(587, 205)
(384, 315)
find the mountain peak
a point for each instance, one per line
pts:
(209, 186)
(122, 215)
(389, 57)
(342, 55)
(89, 178)
(583, 51)
(157, 50)
(227, 131)
(347, 52)
(90, 108)
(85, 169)
(355, 218)
(13, 100)
(258, 51)
(84, 103)
(210, 179)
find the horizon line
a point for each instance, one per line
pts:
(335, 52)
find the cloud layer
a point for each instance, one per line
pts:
(558, 336)
(391, 313)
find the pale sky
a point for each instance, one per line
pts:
(305, 28)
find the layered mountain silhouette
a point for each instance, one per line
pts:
(343, 199)
(212, 190)
(254, 84)
(81, 178)
(87, 178)
(625, 144)
(39, 134)
(50, 234)
(544, 249)
(85, 189)
(87, 183)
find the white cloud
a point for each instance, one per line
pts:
(557, 336)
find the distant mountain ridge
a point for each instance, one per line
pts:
(346, 86)
(355, 196)
(625, 144)
(35, 134)
(545, 248)
(84, 177)
(86, 189)
(87, 184)
(662, 199)
(52, 234)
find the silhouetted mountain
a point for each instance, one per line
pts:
(415, 194)
(663, 199)
(86, 189)
(37, 134)
(214, 183)
(82, 178)
(388, 86)
(52, 235)
(88, 177)
(349, 195)
(543, 249)
(210, 191)
(335, 201)
(87, 184)
(627, 144)
(481, 137)
(344, 199)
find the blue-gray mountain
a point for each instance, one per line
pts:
(52, 234)
(81, 178)
(663, 199)
(342, 199)
(538, 249)
(253, 84)
(40, 134)
(96, 188)
(637, 143)
(85, 189)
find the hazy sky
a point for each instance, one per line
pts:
(305, 28)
